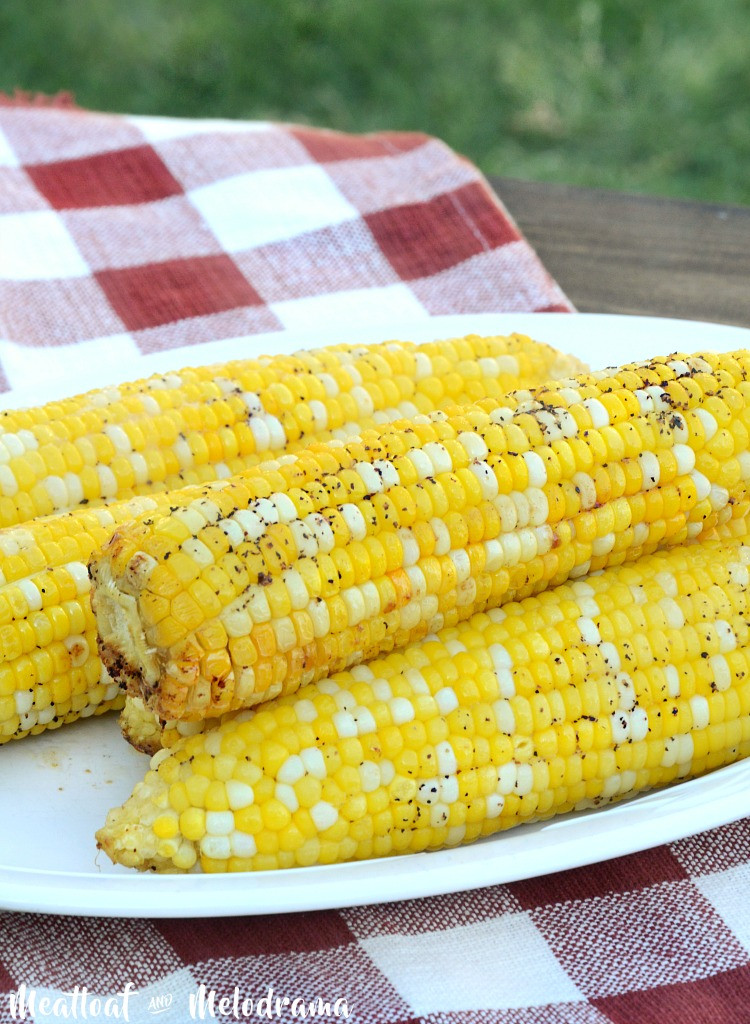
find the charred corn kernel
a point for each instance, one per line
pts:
(204, 423)
(504, 753)
(526, 553)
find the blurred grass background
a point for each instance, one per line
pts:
(640, 96)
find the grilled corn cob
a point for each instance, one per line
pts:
(206, 423)
(341, 552)
(143, 730)
(50, 672)
(600, 688)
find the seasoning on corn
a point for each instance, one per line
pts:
(341, 552)
(633, 678)
(206, 423)
(50, 672)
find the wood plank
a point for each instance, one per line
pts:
(619, 253)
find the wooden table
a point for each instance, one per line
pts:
(618, 253)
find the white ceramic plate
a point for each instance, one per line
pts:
(55, 789)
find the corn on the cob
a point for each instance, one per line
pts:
(206, 423)
(143, 730)
(339, 553)
(631, 679)
(50, 672)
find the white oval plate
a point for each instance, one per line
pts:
(55, 789)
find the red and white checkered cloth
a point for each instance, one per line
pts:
(128, 235)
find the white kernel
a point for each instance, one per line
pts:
(473, 444)
(242, 844)
(493, 555)
(700, 711)
(537, 470)
(428, 792)
(673, 614)
(387, 772)
(239, 794)
(449, 789)
(708, 422)
(422, 365)
(191, 518)
(538, 506)
(417, 581)
(387, 471)
(372, 480)
(611, 655)
(80, 576)
(446, 700)
(276, 434)
(409, 545)
(291, 770)
(524, 779)
(369, 775)
(597, 411)
(402, 710)
(219, 823)
(198, 551)
(320, 617)
(722, 675)
(323, 815)
(586, 489)
(184, 453)
(439, 814)
(319, 414)
(672, 678)
(216, 847)
(314, 762)
(718, 497)
(354, 520)
(286, 795)
(421, 462)
(439, 457)
(355, 605)
(364, 721)
(620, 721)
(321, 529)
(702, 485)
(32, 594)
(487, 479)
(305, 711)
(494, 804)
(305, 539)
(587, 605)
(625, 692)
(589, 631)
(462, 564)
(638, 724)
(363, 399)
(442, 536)
(446, 758)
(507, 775)
(685, 458)
(381, 689)
(260, 432)
(119, 438)
(24, 701)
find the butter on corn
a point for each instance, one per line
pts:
(50, 672)
(331, 556)
(636, 677)
(205, 423)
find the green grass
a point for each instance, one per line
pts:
(645, 96)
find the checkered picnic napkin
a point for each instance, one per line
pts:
(128, 235)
